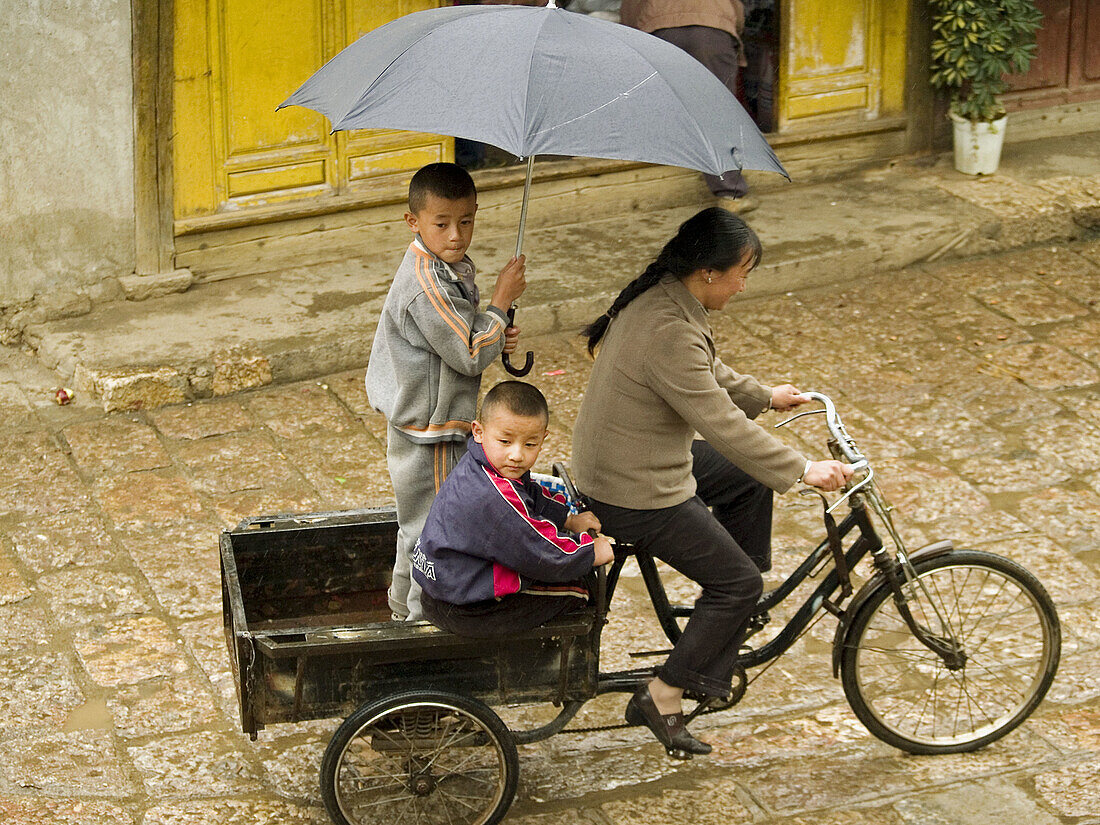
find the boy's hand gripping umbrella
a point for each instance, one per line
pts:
(532, 81)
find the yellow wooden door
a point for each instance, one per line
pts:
(235, 61)
(842, 59)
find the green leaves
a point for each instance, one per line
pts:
(975, 44)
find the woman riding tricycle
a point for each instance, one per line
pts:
(940, 650)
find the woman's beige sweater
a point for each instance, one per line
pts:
(656, 383)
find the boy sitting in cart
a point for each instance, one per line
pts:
(497, 554)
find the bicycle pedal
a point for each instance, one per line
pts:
(682, 755)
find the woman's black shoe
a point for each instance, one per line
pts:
(668, 728)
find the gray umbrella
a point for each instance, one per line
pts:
(538, 81)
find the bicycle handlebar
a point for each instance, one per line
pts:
(843, 441)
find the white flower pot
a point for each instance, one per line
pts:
(978, 145)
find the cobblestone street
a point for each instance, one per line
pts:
(973, 386)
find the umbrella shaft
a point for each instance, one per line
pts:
(523, 209)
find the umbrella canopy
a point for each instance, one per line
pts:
(539, 81)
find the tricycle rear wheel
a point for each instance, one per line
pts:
(421, 757)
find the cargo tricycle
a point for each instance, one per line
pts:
(940, 650)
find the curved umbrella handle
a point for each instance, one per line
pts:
(518, 372)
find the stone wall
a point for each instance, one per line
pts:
(66, 151)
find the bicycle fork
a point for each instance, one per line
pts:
(945, 644)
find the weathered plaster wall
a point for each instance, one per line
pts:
(66, 146)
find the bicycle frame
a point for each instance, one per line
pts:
(895, 569)
(867, 541)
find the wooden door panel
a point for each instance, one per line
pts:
(1090, 62)
(1050, 67)
(264, 49)
(369, 154)
(236, 60)
(833, 59)
(262, 65)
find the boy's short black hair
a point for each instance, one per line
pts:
(518, 397)
(444, 180)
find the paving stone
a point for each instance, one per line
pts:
(286, 496)
(300, 409)
(1074, 790)
(1070, 517)
(13, 588)
(15, 810)
(238, 461)
(87, 594)
(974, 529)
(1081, 338)
(234, 812)
(1067, 441)
(1072, 731)
(36, 477)
(350, 387)
(591, 770)
(36, 691)
(1063, 576)
(973, 804)
(573, 816)
(1080, 626)
(291, 770)
(23, 625)
(202, 764)
(153, 498)
(205, 641)
(201, 419)
(181, 563)
(76, 538)
(1085, 404)
(162, 706)
(1022, 747)
(1077, 681)
(848, 816)
(15, 411)
(766, 742)
(1030, 303)
(969, 322)
(924, 492)
(82, 763)
(709, 802)
(1044, 367)
(1013, 471)
(115, 446)
(347, 469)
(130, 651)
(993, 395)
(1001, 195)
(827, 782)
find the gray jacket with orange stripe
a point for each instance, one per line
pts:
(430, 348)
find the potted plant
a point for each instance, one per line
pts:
(975, 43)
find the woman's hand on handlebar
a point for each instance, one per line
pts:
(827, 475)
(787, 396)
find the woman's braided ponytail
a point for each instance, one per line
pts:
(711, 239)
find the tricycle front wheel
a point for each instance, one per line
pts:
(1009, 640)
(420, 757)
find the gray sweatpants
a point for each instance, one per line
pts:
(417, 472)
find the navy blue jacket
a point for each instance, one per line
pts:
(488, 536)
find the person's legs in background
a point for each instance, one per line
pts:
(720, 52)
